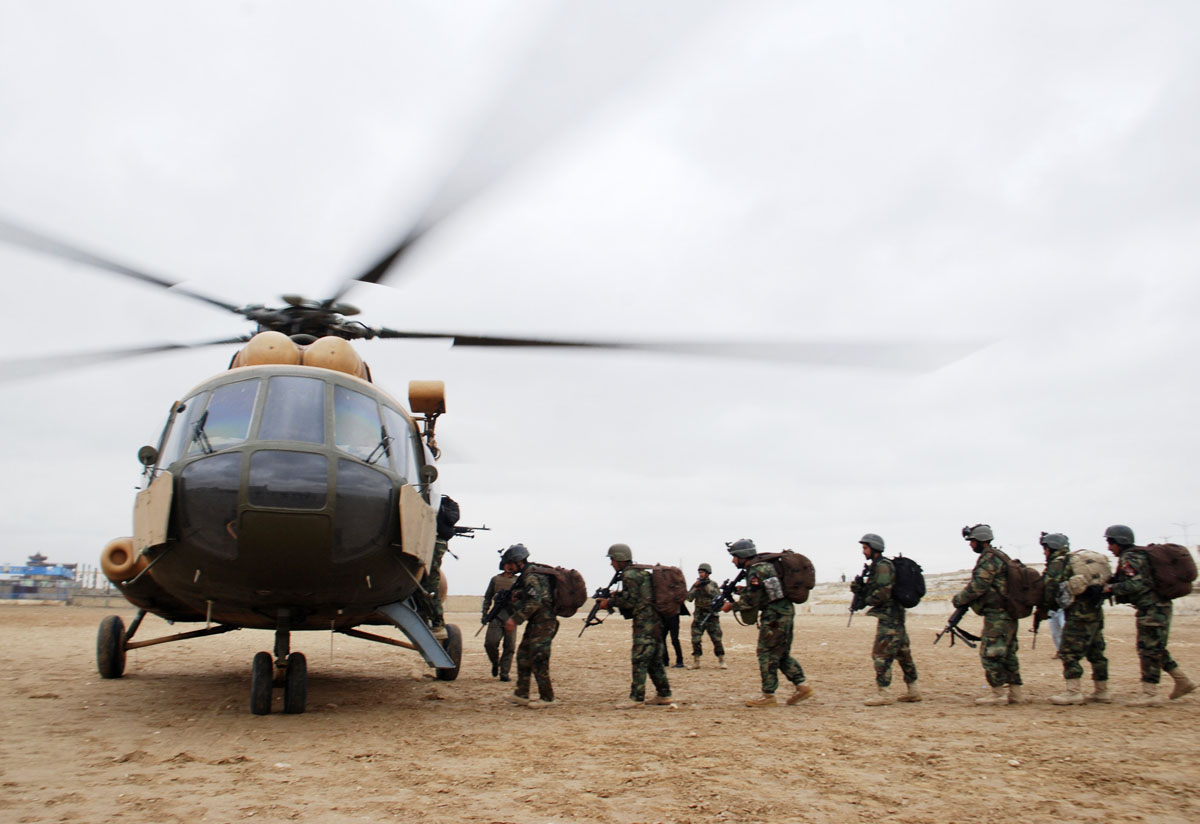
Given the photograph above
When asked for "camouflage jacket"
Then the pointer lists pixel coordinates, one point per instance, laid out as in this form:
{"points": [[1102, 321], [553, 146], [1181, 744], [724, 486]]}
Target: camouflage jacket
{"points": [[879, 589], [637, 596], [756, 595], [533, 597], [499, 583], [703, 592], [989, 581], [1058, 571], [1133, 582]]}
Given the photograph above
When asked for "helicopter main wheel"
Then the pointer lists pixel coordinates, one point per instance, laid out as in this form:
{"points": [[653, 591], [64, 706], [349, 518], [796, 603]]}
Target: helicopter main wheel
{"points": [[453, 647], [295, 684], [110, 647], [262, 674]]}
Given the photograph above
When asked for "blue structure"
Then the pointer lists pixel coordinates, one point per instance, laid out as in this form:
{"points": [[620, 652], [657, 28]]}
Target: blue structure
{"points": [[36, 580]]}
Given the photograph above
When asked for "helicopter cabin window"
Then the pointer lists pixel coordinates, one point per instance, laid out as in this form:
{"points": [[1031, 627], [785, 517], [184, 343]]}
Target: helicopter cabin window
{"points": [[208, 496], [225, 420], [400, 444], [288, 480], [356, 428], [294, 411]]}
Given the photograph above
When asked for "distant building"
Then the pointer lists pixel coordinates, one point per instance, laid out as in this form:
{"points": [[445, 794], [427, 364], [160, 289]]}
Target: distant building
{"points": [[36, 580]]}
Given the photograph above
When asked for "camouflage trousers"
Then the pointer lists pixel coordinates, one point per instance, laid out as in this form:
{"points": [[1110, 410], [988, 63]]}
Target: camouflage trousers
{"points": [[1153, 627], [998, 649], [712, 629], [533, 658], [491, 645], [649, 649], [428, 601], [1083, 638], [891, 644], [775, 649]]}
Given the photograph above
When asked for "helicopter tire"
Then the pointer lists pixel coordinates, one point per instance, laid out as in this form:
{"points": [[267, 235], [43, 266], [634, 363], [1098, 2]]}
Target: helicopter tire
{"points": [[110, 647], [295, 684], [262, 674], [453, 647]]}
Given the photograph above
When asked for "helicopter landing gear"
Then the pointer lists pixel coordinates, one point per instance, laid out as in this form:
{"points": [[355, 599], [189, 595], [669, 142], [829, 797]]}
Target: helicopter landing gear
{"points": [[110, 647], [287, 669], [262, 678], [453, 647]]}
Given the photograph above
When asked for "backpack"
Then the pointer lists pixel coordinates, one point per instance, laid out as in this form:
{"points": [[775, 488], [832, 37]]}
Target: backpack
{"points": [[570, 591], [908, 588], [1088, 569], [1023, 589], [1174, 569], [795, 572], [669, 586]]}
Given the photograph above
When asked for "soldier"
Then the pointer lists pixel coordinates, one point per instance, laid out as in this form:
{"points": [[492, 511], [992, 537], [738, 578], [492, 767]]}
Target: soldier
{"points": [[891, 637], [532, 601], [702, 594], [636, 596], [1133, 584], [763, 599], [1083, 627], [431, 601], [985, 595], [501, 661]]}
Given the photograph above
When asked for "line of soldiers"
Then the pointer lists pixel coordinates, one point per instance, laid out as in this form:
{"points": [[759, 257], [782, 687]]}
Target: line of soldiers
{"points": [[761, 601]]}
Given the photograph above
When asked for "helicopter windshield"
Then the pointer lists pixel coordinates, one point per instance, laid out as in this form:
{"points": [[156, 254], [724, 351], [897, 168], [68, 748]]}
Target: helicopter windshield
{"points": [[212, 421], [295, 410], [356, 428]]}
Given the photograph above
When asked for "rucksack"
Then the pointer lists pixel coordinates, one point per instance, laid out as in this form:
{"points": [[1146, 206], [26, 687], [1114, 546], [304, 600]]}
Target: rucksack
{"points": [[1174, 569], [908, 588], [570, 591], [669, 586], [796, 573], [1088, 569], [1023, 587]]}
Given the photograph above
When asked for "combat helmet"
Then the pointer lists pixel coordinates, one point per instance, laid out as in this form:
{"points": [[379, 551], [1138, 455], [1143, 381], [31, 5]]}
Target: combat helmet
{"points": [[515, 554], [620, 552], [1119, 534], [979, 532], [1055, 540], [873, 541], [705, 568], [742, 548]]}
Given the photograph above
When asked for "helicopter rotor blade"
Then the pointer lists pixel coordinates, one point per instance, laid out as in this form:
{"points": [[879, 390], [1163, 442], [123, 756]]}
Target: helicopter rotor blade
{"points": [[566, 74], [37, 242], [38, 365], [906, 355]]}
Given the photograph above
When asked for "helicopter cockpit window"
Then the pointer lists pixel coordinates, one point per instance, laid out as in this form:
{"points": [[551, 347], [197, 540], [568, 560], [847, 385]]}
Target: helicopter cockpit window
{"points": [[288, 480], [294, 411], [356, 428], [400, 443], [226, 419], [182, 429]]}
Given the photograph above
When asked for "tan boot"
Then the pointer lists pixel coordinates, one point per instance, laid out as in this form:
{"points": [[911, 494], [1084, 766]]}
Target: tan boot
{"points": [[913, 695], [630, 704], [695, 662], [1100, 693], [766, 700], [997, 695], [881, 698], [1183, 684], [1150, 697], [522, 700], [802, 691], [660, 700], [1071, 695], [1016, 694], [721, 662], [541, 703]]}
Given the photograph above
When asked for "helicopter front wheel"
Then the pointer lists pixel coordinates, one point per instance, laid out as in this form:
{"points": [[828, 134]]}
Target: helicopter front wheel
{"points": [[295, 684], [110, 647], [262, 675]]}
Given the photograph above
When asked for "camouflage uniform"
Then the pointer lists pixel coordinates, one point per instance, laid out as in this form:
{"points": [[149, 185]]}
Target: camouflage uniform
{"points": [[1133, 584], [1083, 632], [891, 637], [775, 619], [636, 596], [533, 601], [501, 661], [985, 595], [702, 595], [432, 582]]}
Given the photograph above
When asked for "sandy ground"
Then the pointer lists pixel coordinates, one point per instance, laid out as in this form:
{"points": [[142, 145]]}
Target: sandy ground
{"points": [[174, 739]]}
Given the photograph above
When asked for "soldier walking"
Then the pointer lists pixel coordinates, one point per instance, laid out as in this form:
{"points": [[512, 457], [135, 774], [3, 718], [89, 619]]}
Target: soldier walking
{"points": [[984, 593], [1083, 628], [702, 593], [891, 636], [501, 661], [636, 598], [532, 603], [763, 600], [1133, 584]]}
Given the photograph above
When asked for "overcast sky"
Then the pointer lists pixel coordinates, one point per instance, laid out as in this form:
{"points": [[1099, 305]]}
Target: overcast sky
{"points": [[1019, 173]]}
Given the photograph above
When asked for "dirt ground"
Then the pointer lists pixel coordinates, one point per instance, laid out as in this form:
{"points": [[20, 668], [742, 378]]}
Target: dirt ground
{"points": [[174, 741]]}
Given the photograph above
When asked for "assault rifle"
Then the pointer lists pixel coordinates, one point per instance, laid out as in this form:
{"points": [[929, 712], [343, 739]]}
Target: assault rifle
{"points": [[1038, 617], [858, 586], [466, 532], [500, 602], [728, 588], [593, 618], [955, 632]]}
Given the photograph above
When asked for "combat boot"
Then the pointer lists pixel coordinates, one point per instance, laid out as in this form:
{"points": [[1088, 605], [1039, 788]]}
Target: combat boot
{"points": [[1099, 693], [660, 700], [881, 698], [678, 663], [630, 704], [1071, 695], [802, 691], [1150, 697], [998, 695], [913, 695], [766, 700], [695, 662], [1016, 694], [522, 700], [440, 632], [1183, 684], [540, 703], [721, 662]]}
